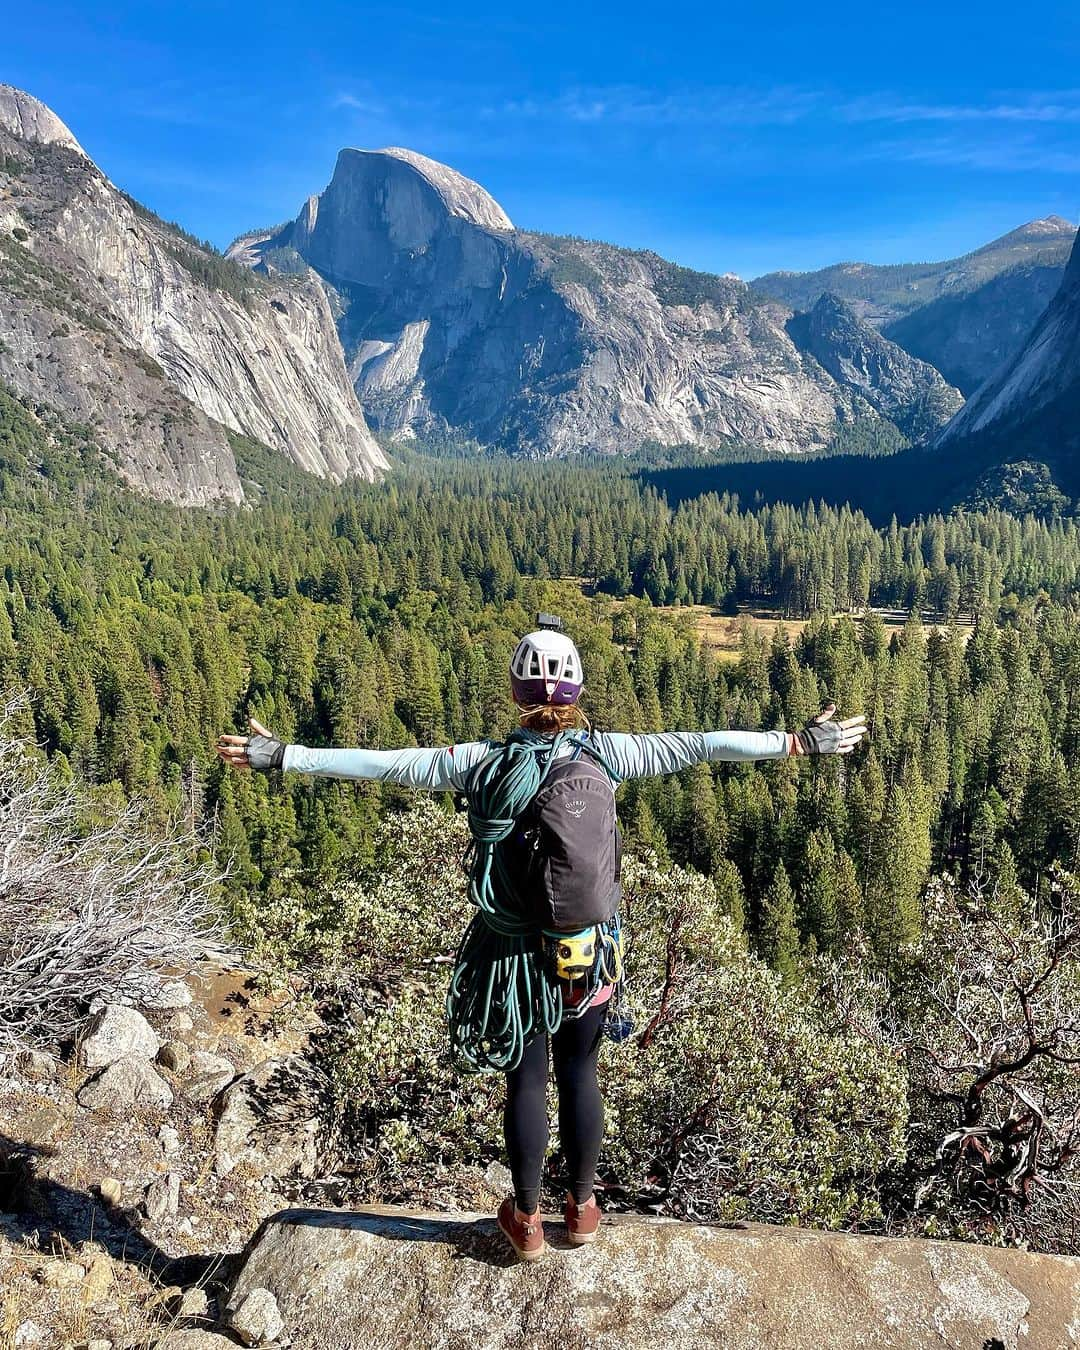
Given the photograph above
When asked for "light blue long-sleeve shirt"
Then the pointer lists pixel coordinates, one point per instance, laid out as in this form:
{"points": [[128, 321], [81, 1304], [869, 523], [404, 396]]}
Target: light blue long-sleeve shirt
{"points": [[629, 756]]}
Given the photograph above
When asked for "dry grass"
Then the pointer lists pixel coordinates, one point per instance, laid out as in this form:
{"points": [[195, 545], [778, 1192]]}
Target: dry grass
{"points": [[721, 633]]}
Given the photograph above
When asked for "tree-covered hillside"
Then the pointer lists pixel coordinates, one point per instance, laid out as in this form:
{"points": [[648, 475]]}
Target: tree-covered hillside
{"points": [[385, 615]]}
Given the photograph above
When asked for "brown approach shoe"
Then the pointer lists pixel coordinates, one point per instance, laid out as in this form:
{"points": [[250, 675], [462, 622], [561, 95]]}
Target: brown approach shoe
{"points": [[582, 1221], [524, 1232]]}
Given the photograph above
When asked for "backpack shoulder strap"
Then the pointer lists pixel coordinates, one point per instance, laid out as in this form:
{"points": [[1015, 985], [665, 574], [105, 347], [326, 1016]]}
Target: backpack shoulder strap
{"points": [[591, 748]]}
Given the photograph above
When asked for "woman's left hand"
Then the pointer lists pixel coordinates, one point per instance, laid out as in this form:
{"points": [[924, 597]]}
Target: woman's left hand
{"points": [[261, 751]]}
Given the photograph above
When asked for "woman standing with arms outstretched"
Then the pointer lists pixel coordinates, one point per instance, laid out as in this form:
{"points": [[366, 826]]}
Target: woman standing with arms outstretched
{"points": [[543, 955]]}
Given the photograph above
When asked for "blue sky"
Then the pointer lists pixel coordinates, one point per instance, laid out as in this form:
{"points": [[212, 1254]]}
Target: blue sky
{"points": [[739, 138]]}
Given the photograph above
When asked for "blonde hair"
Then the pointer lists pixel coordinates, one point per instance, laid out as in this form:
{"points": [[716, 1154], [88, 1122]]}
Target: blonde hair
{"points": [[552, 717]]}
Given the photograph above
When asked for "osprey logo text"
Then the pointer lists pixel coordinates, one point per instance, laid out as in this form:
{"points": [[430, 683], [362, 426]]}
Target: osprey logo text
{"points": [[576, 806]]}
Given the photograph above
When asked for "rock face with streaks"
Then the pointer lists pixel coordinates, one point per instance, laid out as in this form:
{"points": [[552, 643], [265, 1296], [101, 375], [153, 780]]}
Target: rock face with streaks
{"points": [[115, 320], [454, 323], [1030, 410], [397, 1278], [897, 386]]}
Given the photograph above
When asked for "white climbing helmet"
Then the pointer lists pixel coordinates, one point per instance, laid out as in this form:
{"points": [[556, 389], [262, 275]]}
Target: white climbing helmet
{"points": [[546, 667]]}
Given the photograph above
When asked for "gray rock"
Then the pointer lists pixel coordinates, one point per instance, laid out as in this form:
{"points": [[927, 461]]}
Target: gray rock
{"points": [[167, 996], [206, 1086], [195, 1339], [966, 315], [270, 1119], [906, 391], [175, 1056], [193, 1303], [255, 1319], [108, 321], [180, 1024], [129, 1082], [116, 1032], [162, 1197], [202, 1061], [497, 1175], [169, 1139], [29, 1333], [1025, 410], [36, 1065], [400, 1278]]}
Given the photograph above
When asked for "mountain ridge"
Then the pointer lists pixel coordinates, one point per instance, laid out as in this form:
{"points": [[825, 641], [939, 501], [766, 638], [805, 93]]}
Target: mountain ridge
{"points": [[543, 344], [963, 315], [118, 321]]}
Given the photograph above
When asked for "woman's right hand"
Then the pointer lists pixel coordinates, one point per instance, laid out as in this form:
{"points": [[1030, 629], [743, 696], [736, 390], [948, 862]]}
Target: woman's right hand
{"points": [[261, 751]]}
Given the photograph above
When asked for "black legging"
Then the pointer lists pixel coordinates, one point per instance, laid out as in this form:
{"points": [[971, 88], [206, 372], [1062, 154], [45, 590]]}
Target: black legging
{"points": [[574, 1049]]}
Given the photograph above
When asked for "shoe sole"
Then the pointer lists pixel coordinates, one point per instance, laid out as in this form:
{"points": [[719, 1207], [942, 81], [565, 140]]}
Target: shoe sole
{"points": [[524, 1255], [580, 1239]]}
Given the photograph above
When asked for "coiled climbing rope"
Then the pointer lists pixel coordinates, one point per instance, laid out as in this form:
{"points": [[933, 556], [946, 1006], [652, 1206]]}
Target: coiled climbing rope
{"points": [[500, 994]]}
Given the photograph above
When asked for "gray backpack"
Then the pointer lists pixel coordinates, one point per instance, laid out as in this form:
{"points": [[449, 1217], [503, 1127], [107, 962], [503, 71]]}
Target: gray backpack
{"points": [[566, 852]]}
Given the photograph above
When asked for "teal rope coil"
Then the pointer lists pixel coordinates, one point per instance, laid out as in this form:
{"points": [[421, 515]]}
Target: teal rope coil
{"points": [[500, 995]]}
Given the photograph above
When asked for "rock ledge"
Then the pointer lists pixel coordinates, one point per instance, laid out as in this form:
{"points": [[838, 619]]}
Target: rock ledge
{"points": [[395, 1277]]}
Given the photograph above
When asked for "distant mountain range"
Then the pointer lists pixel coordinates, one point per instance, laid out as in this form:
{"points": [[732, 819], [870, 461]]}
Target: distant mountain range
{"points": [[966, 316], [402, 296], [457, 325], [1016, 443]]}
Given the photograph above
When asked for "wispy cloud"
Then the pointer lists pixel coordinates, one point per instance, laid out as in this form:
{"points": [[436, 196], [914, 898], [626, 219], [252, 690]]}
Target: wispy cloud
{"points": [[1048, 108], [367, 106], [632, 105], [1015, 155], [742, 106]]}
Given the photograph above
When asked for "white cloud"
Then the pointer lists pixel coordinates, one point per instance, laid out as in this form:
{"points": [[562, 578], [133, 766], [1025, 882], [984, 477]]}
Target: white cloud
{"points": [[1058, 107]]}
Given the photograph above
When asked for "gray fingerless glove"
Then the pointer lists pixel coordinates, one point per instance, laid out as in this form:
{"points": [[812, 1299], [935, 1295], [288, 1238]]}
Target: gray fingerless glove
{"points": [[265, 752], [819, 738]]}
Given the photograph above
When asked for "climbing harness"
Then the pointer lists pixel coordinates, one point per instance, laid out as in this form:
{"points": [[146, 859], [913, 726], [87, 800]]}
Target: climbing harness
{"points": [[506, 986]]}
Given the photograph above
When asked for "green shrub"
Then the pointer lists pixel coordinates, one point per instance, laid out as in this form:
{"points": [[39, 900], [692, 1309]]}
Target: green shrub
{"points": [[734, 1098]]}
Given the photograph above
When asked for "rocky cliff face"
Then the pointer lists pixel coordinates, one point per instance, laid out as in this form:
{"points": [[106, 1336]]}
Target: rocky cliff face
{"points": [[455, 323], [117, 321], [908, 392], [1029, 409], [965, 316]]}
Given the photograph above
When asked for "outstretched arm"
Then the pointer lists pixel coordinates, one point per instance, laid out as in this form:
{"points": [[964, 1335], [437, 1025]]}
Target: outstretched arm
{"points": [[669, 751], [436, 770]]}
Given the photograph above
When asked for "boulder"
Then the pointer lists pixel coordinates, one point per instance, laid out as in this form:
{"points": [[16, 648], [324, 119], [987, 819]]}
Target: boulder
{"points": [[162, 1197], [400, 1278], [174, 1056], [270, 1119], [195, 1340], [167, 996], [117, 1032], [208, 1074], [129, 1082], [204, 1087], [256, 1319], [193, 1303]]}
